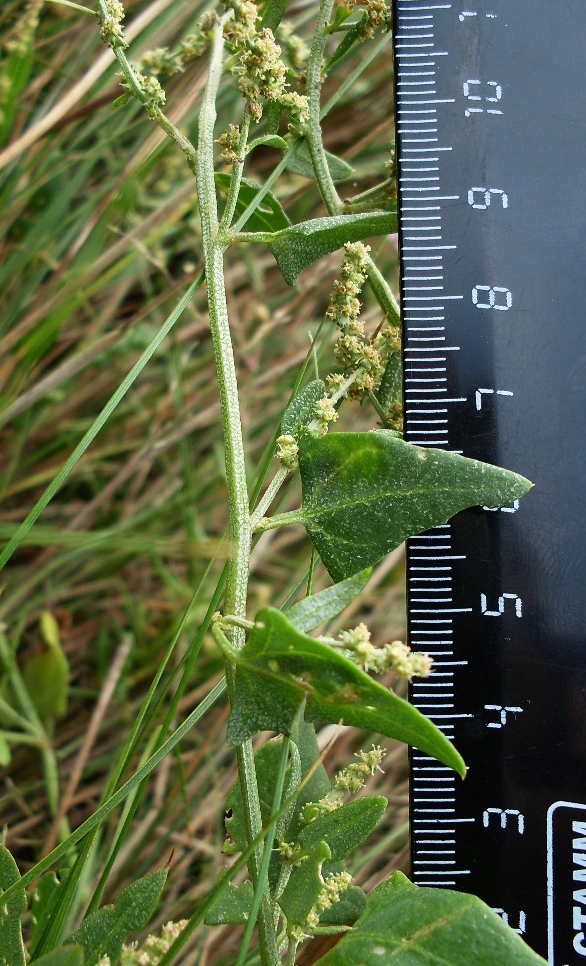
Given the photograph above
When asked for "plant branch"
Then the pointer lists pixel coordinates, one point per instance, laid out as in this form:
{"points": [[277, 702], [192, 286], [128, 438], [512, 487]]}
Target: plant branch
{"points": [[280, 520], [323, 177], [269, 495], [153, 110]]}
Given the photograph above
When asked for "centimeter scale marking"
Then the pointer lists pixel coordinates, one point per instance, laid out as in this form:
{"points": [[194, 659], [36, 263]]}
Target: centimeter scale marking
{"points": [[490, 134], [426, 409]]}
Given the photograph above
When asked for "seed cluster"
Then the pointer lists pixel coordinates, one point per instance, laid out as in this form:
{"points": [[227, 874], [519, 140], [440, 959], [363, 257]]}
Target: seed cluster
{"points": [[229, 143], [288, 452]]}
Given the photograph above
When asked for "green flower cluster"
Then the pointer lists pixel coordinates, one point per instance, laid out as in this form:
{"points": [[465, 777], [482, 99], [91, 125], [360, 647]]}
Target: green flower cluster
{"points": [[324, 413], [229, 143], [150, 87], [152, 950], [356, 352], [288, 452], [396, 656], [111, 29], [262, 75], [348, 781], [334, 885], [379, 13]]}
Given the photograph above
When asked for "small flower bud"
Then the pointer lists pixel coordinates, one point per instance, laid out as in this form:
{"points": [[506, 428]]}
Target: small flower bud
{"points": [[288, 452]]}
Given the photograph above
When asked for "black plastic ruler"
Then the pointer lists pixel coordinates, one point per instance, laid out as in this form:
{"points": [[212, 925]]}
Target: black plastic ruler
{"points": [[491, 121]]}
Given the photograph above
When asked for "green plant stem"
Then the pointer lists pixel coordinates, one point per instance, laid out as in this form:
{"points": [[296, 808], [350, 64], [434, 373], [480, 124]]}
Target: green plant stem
{"points": [[239, 530], [326, 186], [15, 718], [280, 520], [18, 738], [377, 407], [267, 852], [76, 6], [199, 916], [313, 128], [291, 950]]}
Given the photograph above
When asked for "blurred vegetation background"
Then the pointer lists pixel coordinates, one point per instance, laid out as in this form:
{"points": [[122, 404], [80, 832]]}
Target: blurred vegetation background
{"points": [[99, 238]]}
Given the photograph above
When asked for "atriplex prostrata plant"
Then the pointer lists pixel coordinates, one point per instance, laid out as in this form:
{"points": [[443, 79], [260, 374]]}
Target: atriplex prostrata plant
{"points": [[363, 494]]}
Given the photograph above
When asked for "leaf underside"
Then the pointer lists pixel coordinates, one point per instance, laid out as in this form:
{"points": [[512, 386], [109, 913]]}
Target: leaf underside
{"points": [[278, 668], [300, 410], [365, 493], [310, 612], [406, 925], [297, 247]]}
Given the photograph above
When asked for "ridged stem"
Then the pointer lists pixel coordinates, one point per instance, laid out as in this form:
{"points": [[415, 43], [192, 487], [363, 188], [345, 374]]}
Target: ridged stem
{"points": [[239, 521]]}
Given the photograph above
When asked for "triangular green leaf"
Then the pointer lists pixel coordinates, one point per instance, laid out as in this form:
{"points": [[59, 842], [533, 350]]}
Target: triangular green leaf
{"points": [[305, 885], [346, 827], [64, 956], [12, 951], [103, 933], [299, 246], [269, 216], [300, 412], [232, 907], [365, 493], [278, 668], [410, 926], [309, 613]]}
